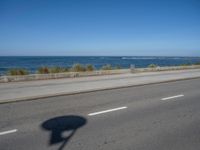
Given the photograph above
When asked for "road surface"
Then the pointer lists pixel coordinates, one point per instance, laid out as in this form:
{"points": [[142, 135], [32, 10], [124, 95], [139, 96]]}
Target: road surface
{"points": [[17, 91], [162, 116]]}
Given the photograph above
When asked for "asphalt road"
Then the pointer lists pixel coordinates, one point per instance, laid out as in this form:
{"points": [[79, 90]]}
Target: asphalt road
{"points": [[153, 117], [17, 91]]}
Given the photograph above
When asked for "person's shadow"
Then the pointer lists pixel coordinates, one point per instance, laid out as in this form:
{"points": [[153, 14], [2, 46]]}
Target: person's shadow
{"points": [[58, 125]]}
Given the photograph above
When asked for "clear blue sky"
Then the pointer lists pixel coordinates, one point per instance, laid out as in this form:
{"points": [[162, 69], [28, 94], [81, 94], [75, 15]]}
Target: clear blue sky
{"points": [[100, 27]]}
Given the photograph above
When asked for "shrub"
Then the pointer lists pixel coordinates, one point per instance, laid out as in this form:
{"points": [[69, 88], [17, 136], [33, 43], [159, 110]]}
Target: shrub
{"points": [[186, 64], [152, 66], [58, 69], [197, 63], [78, 68], [118, 67], [17, 71], [66, 69], [43, 70], [90, 67], [106, 67]]}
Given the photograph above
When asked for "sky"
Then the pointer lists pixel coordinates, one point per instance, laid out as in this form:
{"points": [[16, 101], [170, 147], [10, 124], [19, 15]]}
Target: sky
{"points": [[99, 27]]}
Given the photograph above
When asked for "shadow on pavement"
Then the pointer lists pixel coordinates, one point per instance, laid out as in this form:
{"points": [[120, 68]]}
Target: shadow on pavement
{"points": [[58, 125]]}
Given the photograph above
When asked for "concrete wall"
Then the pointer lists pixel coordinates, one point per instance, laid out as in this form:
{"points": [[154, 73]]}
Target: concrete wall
{"points": [[61, 75], [166, 68], [92, 73]]}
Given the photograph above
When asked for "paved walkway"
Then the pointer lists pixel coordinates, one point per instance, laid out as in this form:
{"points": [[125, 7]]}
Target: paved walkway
{"points": [[16, 91]]}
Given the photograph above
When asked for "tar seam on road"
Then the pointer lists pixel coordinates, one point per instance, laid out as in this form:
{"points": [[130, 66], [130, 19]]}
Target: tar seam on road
{"points": [[106, 111], [167, 98], [8, 132]]}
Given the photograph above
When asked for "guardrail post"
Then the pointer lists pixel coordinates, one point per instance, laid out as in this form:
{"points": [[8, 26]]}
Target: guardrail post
{"points": [[132, 68], [5, 79]]}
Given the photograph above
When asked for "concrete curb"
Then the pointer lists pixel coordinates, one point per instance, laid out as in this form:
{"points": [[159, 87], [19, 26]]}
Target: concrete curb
{"points": [[87, 91]]}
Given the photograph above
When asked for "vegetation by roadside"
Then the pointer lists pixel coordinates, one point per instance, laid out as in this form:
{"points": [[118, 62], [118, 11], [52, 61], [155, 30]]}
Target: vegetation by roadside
{"points": [[78, 68], [106, 67], [46, 70], [90, 67], [75, 68], [152, 66], [17, 71]]}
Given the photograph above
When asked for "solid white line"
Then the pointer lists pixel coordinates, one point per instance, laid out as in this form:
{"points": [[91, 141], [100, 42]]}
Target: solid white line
{"points": [[172, 97], [7, 132], [106, 111]]}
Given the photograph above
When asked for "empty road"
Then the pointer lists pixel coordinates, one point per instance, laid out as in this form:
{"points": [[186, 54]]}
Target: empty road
{"points": [[162, 116]]}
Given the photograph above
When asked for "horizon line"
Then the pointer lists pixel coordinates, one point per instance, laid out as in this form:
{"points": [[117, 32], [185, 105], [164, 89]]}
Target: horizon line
{"points": [[95, 56]]}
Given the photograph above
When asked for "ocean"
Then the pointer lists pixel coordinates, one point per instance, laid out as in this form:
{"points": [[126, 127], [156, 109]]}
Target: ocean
{"points": [[33, 62]]}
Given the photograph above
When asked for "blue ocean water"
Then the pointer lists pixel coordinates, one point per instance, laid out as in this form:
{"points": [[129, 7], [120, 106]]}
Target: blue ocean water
{"points": [[33, 62]]}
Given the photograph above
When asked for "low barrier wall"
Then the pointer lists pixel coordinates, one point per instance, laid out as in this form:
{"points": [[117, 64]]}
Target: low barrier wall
{"points": [[91, 73], [166, 68], [61, 75]]}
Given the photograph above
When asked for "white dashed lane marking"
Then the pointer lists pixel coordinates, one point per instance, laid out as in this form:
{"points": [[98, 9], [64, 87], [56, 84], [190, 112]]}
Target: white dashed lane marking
{"points": [[172, 97], [8, 132], [106, 111]]}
